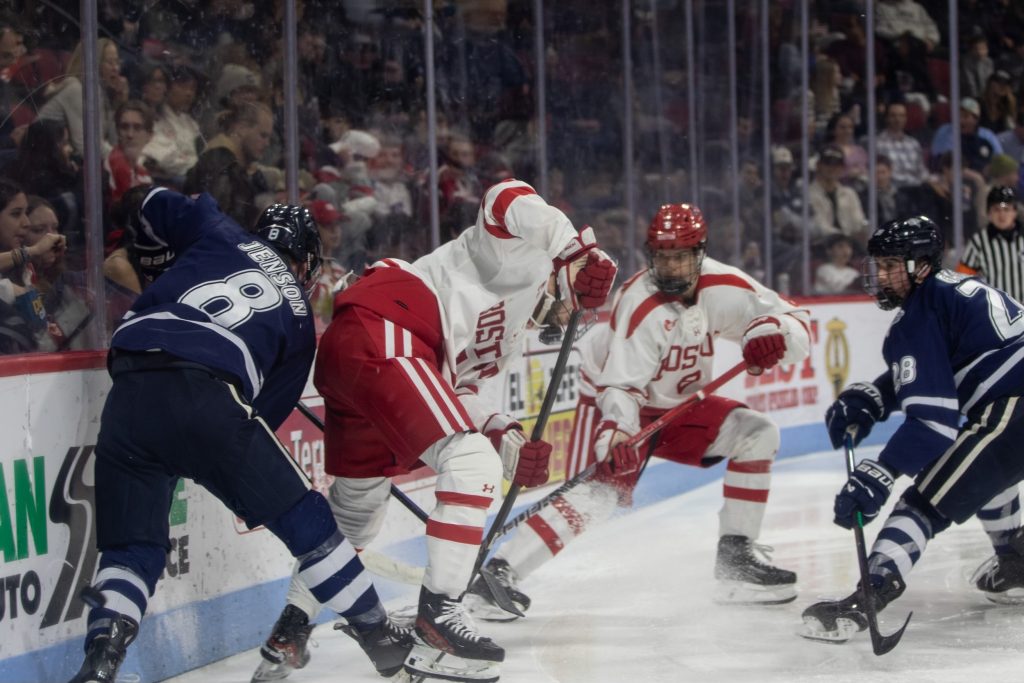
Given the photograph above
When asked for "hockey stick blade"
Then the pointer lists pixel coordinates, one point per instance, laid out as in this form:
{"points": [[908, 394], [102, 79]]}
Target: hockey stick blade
{"points": [[500, 595], [880, 644]]}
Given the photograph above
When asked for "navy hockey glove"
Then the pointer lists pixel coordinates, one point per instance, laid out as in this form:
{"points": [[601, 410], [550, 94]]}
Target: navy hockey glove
{"points": [[858, 404], [865, 491]]}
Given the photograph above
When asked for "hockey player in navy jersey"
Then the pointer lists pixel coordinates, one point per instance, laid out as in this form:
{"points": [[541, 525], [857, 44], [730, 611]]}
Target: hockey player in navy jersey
{"points": [[206, 365], [954, 348]]}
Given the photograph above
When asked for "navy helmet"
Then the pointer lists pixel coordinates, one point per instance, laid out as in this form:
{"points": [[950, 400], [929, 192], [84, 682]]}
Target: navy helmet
{"points": [[292, 232], [918, 241]]}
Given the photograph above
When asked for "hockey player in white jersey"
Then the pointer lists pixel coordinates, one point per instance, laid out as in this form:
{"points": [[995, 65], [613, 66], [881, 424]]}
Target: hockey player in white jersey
{"points": [[658, 350], [401, 367]]}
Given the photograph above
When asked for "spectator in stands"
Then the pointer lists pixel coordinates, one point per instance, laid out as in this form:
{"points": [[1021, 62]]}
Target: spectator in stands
{"points": [[892, 200], [1013, 143], [978, 144], [124, 165], [12, 48], [835, 208], [934, 198], [903, 150], [44, 167], [827, 104], [839, 132], [976, 67], [65, 104], [174, 148], [67, 310], [229, 167], [897, 18], [328, 222], [998, 103], [458, 187], [389, 180], [22, 316], [155, 83], [836, 275], [1003, 170]]}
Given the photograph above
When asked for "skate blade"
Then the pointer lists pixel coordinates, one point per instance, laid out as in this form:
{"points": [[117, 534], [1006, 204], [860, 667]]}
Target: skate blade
{"points": [[481, 608], [425, 662], [269, 671], [1014, 596], [812, 629], [742, 593]]}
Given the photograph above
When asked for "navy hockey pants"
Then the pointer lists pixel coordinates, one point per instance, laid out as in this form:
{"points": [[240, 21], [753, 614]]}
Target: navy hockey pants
{"points": [[163, 423], [984, 460]]}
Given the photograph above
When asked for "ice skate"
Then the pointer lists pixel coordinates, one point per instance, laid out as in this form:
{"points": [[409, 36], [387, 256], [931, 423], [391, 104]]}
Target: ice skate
{"points": [[106, 652], [746, 580], [1001, 579], [286, 648], [448, 646], [479, 599], [387, 645], [836, 621]]}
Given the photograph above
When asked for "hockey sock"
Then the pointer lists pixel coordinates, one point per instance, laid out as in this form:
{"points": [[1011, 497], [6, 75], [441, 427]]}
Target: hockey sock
{"points": [[1000, 517], [127, 577], [327, 561], [905, 535], [369, 619]]}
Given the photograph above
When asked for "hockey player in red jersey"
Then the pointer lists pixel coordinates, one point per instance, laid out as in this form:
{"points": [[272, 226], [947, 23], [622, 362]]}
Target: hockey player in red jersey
{"points": [[658, 351], [400, 369]]}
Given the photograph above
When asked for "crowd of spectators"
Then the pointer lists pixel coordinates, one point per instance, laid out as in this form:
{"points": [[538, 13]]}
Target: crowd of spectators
{"points": [[192, 96]]}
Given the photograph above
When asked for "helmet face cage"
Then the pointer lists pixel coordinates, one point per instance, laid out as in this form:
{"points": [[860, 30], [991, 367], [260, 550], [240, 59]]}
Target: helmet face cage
{"points": [[292, 231], [553, 330], [676, 226], [917, 241]]}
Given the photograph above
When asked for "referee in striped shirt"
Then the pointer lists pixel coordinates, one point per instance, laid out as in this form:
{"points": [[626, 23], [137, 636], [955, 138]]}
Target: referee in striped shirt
{"points": [[997, 252]]}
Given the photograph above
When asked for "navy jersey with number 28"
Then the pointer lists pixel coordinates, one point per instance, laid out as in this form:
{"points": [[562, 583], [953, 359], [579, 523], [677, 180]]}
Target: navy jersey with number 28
{"points": [[228, 301], [955, 346]]}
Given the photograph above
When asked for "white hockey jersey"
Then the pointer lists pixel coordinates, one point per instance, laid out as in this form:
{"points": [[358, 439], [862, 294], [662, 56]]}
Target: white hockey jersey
{"points": [[488, 282], [655, 351]]}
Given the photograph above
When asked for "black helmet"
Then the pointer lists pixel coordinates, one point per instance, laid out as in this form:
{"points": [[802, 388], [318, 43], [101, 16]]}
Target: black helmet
{"points": [[918, 241], [292, 232], [1001, 194]]}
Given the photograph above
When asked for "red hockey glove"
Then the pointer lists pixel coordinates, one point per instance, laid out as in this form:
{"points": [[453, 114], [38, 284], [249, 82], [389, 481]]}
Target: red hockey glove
{"points": [[523, 462], [615, 458], [532, 469], [763, 344], [594, 281]]}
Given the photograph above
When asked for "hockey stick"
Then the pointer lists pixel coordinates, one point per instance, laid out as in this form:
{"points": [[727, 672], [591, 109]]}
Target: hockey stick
{"points": [[405, 500], [879, 643], [636, 440], [501, 596]]}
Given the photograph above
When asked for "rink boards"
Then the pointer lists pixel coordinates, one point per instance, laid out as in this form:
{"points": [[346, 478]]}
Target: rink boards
{"points": [[224, 584]]}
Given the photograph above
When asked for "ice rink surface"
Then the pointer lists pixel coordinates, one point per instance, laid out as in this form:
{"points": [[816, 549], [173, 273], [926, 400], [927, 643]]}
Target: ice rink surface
{"points": [[631, 601]]}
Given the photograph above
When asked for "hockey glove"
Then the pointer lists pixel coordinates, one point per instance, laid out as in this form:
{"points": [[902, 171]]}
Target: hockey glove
{"points": [[859, 404], [594, 281], [523, 462], [615, 458], [763, 344], [865, 492]]}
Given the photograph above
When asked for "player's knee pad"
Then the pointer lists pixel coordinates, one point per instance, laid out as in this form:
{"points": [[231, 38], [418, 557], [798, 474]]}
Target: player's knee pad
{"points": [[914, 499], [359, 507], [306, 525], [747, 435], [145, 560], [468, 464]]}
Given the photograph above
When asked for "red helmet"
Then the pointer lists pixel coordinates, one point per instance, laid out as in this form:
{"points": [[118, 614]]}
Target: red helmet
{"points": [[677, 226]]}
